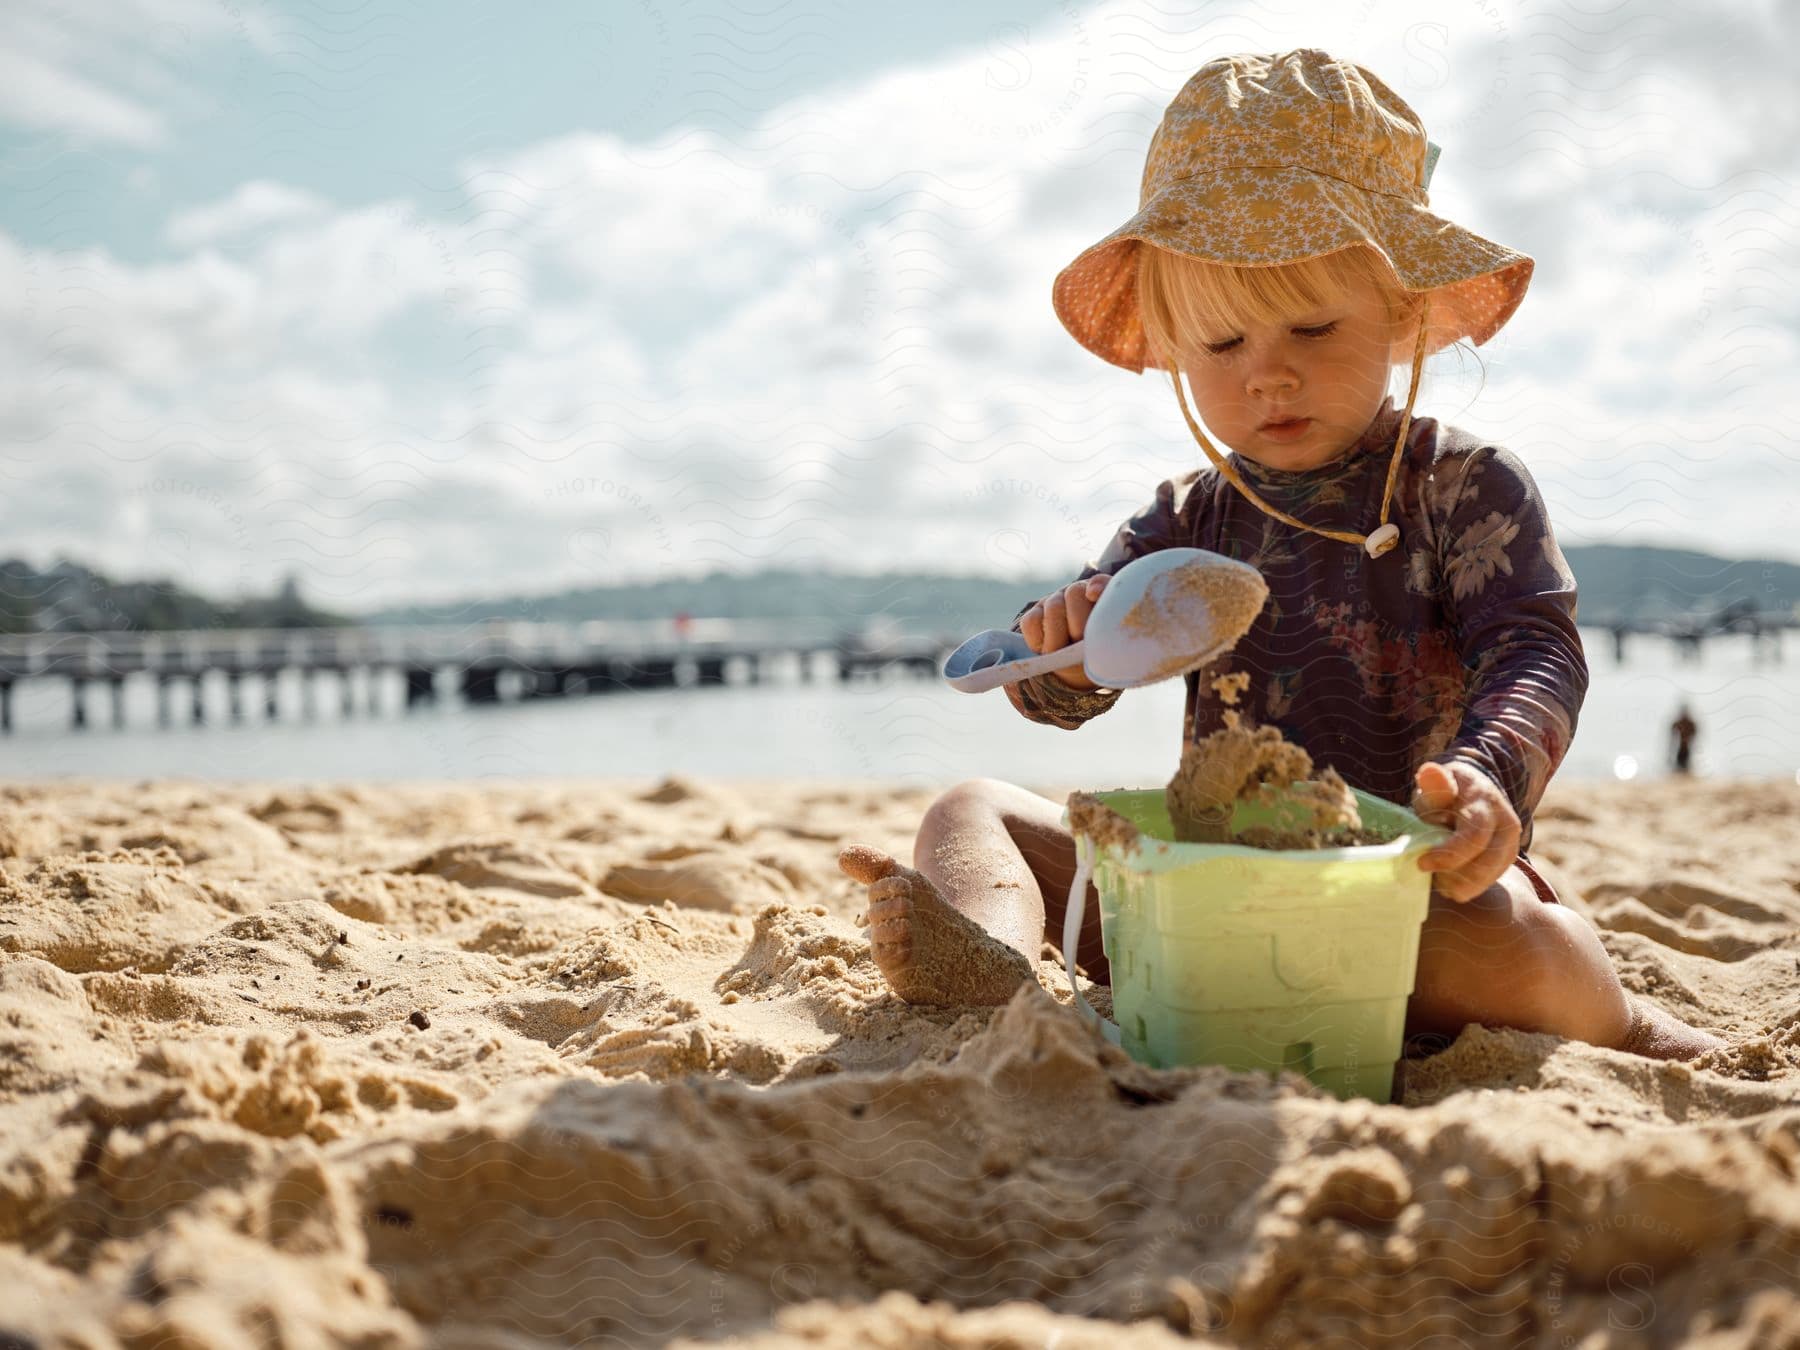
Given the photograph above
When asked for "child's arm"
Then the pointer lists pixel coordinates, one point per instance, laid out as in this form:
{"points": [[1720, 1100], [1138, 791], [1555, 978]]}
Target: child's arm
{"points": [[1165, 523], [1512, 599]]}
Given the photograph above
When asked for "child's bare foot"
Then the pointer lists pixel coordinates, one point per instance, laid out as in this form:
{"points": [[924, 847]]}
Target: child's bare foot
{"points": [[1656, 1034], [930, 952]]}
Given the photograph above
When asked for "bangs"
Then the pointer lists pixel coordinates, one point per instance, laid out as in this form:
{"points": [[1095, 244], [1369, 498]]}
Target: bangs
{"points": [[1186, 302]]}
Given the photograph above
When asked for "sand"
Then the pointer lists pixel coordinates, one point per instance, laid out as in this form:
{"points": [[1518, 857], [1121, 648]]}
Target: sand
{"points": [[1219, 601], [521, 1065], [1245, 762]]}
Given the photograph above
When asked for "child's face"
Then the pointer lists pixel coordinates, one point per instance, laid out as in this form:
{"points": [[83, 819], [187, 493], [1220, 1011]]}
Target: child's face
{"points": [[1329, 366]]}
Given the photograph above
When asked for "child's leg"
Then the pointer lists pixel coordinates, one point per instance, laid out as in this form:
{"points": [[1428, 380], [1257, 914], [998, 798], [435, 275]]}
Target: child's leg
{"points": [[1506, 958], [1002, 856], [993, 864]]}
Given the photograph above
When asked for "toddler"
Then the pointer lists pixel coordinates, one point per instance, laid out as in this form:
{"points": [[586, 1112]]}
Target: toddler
{"points": [[1419, 635]]}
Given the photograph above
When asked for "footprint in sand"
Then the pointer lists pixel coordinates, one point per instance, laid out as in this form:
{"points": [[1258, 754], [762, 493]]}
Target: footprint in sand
{"points": [[930, 952]]}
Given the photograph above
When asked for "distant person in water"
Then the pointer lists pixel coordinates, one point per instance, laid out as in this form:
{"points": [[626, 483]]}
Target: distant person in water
{"points": [[1682, 732]]}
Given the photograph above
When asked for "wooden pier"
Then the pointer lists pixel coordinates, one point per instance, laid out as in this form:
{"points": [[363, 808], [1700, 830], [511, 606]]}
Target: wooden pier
{"points": [[533, 660], [1743, 618]]}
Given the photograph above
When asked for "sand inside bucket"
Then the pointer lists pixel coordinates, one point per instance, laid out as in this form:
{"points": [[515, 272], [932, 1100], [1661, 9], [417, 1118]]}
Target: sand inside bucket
{"points": [[1242, 761]]}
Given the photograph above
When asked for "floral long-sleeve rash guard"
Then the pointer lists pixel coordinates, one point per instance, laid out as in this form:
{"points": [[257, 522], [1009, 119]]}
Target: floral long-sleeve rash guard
{"points": [[1460, 644]]}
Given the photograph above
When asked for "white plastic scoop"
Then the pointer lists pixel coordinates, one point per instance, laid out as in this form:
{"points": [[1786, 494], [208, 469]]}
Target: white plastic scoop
{"points": [[1160, 616]]}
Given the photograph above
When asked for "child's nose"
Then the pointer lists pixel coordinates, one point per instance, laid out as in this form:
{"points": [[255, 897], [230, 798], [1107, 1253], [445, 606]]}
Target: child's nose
{"points": [[1272, 372], [1274, 389]]}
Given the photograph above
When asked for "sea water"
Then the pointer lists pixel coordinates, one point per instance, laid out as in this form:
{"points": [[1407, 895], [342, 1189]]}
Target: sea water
{"points": [[904, 728]]}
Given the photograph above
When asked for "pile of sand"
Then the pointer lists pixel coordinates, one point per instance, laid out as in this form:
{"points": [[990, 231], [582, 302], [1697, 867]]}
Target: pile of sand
{"points": [[1243, 762], [556, 1064]]}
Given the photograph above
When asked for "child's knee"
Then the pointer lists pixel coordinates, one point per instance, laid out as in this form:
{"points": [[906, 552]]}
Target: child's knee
{"points": [[970, 792], [988, 798], [955, 805], [1544, 964], [1490, 959], [1573, 988]]}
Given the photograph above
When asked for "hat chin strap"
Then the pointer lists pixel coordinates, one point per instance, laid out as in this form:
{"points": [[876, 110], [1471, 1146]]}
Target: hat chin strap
{"points": [[1378, 541]]}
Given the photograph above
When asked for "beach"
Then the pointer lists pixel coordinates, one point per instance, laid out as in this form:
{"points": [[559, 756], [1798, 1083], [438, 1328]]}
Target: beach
{"points": [[535, 1063]]}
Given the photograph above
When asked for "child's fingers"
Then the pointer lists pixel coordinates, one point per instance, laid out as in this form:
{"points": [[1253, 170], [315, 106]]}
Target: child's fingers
{"points": [[1465, 853], [1078, 603], [1433, 815], [1437, 790], [1458, 851], [1474, 830], [1076, 607], [1432, 772], [1430, 814], [1455, 886], [1056, 623], [1494, 860], [1470, 880], [1031, 627], [1060, 617]]}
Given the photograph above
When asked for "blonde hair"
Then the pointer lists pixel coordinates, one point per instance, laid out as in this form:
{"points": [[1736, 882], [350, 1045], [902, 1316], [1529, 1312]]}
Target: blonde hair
{"points": [[1182, 299]]}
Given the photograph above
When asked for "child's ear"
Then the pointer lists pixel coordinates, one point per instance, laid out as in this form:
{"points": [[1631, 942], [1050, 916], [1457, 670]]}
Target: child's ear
{"points": [[1405, 313]]}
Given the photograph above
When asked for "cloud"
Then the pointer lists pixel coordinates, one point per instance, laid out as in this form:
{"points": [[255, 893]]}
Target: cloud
{"points": [[826, 334], [119, 72], [254, 206], [37, 94]]}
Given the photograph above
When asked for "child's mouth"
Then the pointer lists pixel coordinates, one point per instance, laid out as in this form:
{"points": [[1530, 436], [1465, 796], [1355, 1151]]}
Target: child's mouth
{"points": [[1287, 431]]}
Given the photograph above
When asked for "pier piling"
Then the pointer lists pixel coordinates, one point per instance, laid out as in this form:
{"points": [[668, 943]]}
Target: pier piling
{"points": [[497, 662]]}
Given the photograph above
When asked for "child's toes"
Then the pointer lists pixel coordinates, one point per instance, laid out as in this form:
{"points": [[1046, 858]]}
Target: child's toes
{"points": [[862, 863], [891, 928], [891, 951], [890, 916], [895, 928], [888, 890]]}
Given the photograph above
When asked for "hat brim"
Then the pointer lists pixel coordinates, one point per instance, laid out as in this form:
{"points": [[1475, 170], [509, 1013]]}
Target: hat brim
{"points": [[1271, 217]]}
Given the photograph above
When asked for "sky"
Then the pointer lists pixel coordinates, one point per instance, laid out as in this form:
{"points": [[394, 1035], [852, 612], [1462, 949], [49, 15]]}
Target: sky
{"points": [[421, 302]]}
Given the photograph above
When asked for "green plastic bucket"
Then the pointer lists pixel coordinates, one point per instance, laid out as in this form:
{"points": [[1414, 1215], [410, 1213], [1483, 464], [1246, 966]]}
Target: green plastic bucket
{"points": [[1253, 958]]}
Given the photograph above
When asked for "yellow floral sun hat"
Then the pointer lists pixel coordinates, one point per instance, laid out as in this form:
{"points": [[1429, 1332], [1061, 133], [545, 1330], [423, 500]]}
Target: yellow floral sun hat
{"points": [[1264, 160]]}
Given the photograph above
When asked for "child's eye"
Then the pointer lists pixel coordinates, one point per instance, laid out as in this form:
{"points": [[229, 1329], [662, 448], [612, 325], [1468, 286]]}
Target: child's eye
{"points": [[1322, 330]]}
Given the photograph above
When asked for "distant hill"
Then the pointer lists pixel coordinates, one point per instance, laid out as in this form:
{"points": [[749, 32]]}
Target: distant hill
{"points": [[70, 598], [1631, 582], [914, 600], [1615, 581]]}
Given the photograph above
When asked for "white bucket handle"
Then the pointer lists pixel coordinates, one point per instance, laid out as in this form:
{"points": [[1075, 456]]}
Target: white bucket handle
{"points": [[1084, 866]]}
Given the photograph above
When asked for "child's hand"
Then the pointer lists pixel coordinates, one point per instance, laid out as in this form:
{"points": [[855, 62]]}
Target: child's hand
{"points": [[1061, 618], [1487, 828]]}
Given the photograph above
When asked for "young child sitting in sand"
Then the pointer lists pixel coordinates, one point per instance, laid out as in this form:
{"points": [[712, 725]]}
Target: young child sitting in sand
{"points": [[1419, 634]]}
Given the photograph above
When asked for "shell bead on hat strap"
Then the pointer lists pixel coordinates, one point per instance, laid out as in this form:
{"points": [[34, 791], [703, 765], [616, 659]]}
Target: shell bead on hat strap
{"points": [[1382, 540]]}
